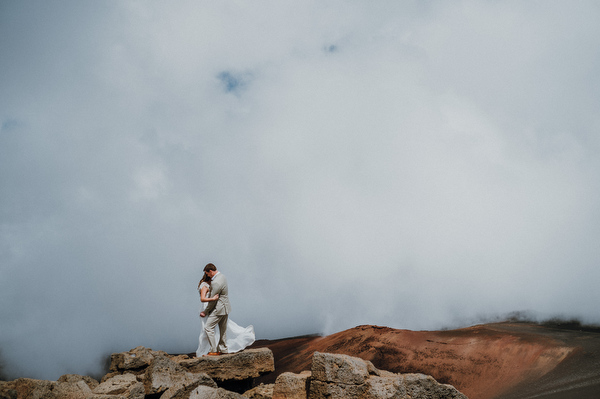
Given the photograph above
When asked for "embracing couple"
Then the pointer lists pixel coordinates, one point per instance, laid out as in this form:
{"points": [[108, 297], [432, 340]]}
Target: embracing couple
{"points": [[215, 318]]}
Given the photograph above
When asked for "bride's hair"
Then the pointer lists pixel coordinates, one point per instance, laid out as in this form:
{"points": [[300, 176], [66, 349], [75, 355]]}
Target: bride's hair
{"points": [[205, 279]]}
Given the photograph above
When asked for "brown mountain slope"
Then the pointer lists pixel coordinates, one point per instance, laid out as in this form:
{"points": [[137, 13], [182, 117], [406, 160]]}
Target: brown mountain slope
{"points": [[484, 361]]}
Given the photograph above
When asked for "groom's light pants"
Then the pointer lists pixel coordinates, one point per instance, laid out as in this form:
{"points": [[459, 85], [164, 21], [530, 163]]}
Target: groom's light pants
{"points": [[212, 321]]}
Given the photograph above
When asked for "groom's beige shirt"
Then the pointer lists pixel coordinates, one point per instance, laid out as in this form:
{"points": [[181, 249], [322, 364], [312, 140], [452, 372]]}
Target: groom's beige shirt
{"points": [[219, 286]]}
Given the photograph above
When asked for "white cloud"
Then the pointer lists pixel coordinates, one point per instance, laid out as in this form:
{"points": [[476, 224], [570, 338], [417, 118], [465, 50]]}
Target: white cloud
{"points": [[411, 165]]}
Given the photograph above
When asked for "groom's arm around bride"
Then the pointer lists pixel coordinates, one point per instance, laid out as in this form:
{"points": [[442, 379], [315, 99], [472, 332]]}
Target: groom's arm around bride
{"points": [[219, 287]]}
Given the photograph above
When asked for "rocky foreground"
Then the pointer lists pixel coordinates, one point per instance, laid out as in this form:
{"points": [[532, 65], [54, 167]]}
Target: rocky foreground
{"points": [[142, 373]]}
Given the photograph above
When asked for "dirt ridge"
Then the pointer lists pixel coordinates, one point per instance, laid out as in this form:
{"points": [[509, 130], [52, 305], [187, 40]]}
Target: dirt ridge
{"points": [[489, 361]]}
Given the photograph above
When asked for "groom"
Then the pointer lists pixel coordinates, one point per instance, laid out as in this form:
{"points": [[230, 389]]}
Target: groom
{"points": [[217, 311]]}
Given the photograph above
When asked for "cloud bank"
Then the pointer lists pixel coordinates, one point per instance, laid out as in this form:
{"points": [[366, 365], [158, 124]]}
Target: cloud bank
{"points": [[417, 165]]}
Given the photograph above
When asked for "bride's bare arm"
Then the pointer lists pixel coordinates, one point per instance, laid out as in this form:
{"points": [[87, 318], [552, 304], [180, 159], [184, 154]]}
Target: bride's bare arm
{"points": [[204, 298]]}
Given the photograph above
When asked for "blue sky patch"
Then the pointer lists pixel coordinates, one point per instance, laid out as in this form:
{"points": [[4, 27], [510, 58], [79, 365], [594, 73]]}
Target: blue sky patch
{"points": [[232, 82], [9, 124]]}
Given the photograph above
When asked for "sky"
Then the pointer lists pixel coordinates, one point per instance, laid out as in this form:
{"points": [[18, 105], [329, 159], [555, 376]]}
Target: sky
{"points": [[415, 164]]}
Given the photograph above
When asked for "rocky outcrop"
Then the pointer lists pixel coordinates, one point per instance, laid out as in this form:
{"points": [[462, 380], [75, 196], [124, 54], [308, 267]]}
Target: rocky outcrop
{"points": [[126, 385], [89, 381], [250, 363], [164, 374], [28, 388], [137, 358], [342, 376], [292, 386], [146, 374], [134, 361]]}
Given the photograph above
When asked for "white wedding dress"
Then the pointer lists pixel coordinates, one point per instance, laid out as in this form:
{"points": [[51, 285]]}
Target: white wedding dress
{"points": [[238, 337]]}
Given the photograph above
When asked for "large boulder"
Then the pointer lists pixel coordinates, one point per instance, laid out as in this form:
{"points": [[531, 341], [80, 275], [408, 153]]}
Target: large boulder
{"points": [[165, 374], [183, 388], [385, 387], [292, 386], [425, 386], [29, 388], [339, 369], [72, 390], [7, 390], [90, 382], [134, 360], [341, 376], [250, 363], [126, 385], [338, 376]]}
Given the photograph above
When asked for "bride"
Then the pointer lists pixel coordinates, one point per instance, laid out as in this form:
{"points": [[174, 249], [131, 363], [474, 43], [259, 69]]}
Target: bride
{"points": [[238, 338]]}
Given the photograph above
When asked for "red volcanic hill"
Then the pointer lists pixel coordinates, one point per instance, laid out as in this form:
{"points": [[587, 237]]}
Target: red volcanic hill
{"points": [[499, 360]]}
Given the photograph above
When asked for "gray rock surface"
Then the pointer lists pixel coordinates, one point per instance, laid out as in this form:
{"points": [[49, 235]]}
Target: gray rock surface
{"points": [[134, 359], [29, 388], [262, 391], [204, 392], [339, 369], [90, 382], [340, 376], [183, 388], [292, 386], [164, 373], [250, 363], [126, 385]]}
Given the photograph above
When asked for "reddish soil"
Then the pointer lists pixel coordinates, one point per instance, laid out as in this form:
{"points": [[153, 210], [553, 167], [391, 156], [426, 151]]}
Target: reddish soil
{"points": [[500, 360]]}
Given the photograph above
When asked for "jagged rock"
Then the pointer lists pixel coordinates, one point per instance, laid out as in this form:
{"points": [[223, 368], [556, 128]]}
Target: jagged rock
{"points": [[7, 390], [183, 389], [250, 363], [263, 391], [292, 386], [72, 390], [126, 385], [320, 389], [164, 373], [90, 382], [204, 392], [339, 369], [113, 373], [29, 388], [134, 359], [179, 358], [342, 376], [386, 387], [425, 386]]}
